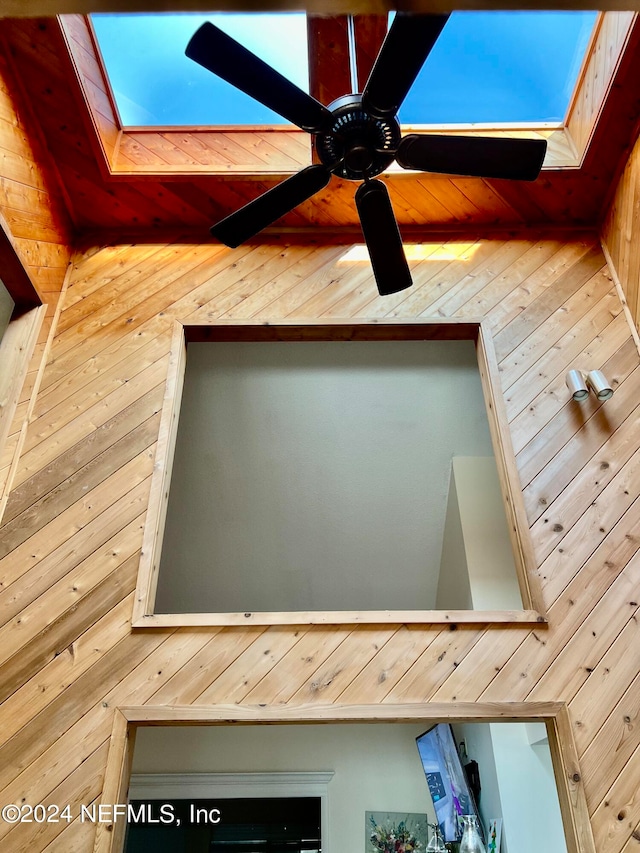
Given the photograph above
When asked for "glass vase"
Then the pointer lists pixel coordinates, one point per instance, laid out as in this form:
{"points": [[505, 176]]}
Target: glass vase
{"points": [[436, 842], [471, 839]]}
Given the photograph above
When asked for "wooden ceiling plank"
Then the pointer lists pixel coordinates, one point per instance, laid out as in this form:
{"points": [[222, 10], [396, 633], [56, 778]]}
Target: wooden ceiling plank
{"points": [[119, 261], [420, 204], [34, 740], [205, 666], [482, 194], [345, 284], [26, 590], [69, 430], [111, 382]]}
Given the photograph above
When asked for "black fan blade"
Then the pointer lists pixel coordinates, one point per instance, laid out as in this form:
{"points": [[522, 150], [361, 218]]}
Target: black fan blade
{"points": [[253, 217], [479, 156], [402, 55], [215, 50], [381, 234]]}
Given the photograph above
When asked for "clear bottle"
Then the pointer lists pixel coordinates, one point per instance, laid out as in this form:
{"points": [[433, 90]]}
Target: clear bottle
{"points": [[436, 842], [471, 839]]}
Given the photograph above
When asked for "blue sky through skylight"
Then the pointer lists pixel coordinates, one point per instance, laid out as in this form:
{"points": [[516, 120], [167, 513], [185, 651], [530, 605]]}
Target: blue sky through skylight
{"points": [[487, 67]]}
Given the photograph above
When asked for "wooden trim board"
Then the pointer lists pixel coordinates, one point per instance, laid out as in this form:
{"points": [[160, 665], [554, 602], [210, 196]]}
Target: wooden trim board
{"points": [[16, 348], [144, 616], [573, 805]]}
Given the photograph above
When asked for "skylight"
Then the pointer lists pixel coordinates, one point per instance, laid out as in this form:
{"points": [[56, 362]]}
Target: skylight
{"points": [[487, 67], [155, 84]]}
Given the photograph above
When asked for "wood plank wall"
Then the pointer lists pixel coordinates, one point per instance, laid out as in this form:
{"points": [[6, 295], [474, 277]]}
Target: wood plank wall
{"points": [[613, 29], [31, 202], [72, 531], [36, 245], [621, 232]]}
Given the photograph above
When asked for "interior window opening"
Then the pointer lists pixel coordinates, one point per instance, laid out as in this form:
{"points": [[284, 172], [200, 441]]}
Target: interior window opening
{"points": [[383, 785], [322, 476]]}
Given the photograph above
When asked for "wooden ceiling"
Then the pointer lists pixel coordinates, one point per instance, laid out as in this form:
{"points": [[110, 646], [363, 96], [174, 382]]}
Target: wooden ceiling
{"points": [[131, 182]]}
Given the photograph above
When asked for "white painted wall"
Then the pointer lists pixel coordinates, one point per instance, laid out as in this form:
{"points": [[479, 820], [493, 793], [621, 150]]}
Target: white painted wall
{"points": [[477, 568], [480, 748], [454, 590], [518, 784], [531, 811], [314, 476], [6, 308], [376, 766]]}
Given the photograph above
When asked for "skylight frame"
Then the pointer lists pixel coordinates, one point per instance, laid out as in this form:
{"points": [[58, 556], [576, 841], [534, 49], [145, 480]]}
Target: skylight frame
{"points": [[118, 148], [407, 127]]}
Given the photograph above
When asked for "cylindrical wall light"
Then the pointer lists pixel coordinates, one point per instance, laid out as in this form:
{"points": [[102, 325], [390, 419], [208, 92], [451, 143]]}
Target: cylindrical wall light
{"points": [[597, 381], [577, 385]]}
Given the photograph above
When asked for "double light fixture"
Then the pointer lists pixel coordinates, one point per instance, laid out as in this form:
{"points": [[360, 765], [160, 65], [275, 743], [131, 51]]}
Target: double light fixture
{"points": [[595, 381]]}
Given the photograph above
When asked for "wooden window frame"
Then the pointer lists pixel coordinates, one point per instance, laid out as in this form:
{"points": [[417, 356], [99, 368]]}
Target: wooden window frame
{"points": [[568, 140], [573, 805], [371, 330]]}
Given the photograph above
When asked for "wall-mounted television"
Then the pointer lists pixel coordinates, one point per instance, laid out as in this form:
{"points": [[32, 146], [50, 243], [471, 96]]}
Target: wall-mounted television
{"points": [[447, 780]]}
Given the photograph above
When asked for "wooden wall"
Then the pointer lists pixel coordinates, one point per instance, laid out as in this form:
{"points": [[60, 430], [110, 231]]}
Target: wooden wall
{"points": [[593, 85], [621, 232], [35, 249], [71, 535], [31, 203]]}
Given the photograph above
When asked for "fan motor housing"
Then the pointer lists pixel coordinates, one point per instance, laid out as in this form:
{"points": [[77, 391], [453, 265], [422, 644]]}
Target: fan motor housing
{"points": [[357, 145]]}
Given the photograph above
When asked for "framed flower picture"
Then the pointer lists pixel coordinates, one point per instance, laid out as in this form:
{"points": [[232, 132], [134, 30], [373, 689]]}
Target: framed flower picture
{"points": [[494, 833], [395, 832]]}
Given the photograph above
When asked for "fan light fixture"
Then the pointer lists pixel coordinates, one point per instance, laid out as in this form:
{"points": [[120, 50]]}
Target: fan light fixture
{"points": [[357, 137]]}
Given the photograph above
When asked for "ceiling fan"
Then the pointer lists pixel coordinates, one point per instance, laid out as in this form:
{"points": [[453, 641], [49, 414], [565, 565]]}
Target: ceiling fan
{"points": [[357, 137]]}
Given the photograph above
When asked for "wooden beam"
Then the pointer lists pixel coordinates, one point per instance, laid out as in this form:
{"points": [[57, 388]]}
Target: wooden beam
{"points": [[370, 31], [329, 76], [18, 8]]}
